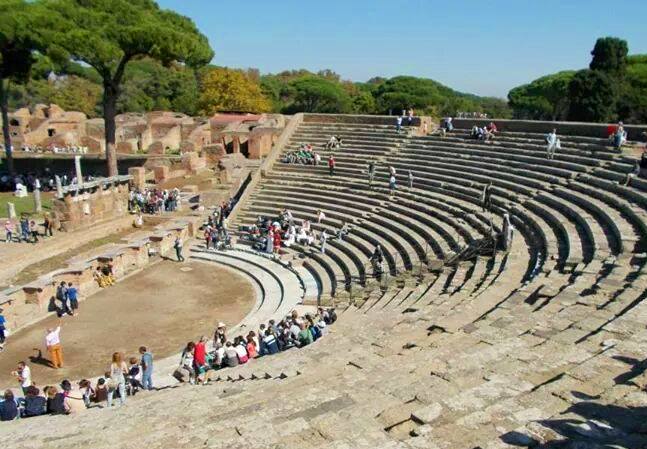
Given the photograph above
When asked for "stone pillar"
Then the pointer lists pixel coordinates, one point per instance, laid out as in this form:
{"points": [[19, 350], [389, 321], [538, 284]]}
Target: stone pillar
{"points": [[11, 211], [79, 173], [38, 206], [236, 143], [138, 177], [59, 186]]}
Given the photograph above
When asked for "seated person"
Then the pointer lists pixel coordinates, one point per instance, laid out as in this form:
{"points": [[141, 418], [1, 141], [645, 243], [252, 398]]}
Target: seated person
{"points": [[620, 137], [34, 404], [100, 391], [8, 407], [474, 133]]}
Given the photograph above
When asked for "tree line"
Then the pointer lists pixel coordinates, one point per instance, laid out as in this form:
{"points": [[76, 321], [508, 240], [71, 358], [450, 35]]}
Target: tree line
{"points": [[614, 87], [104, 57]]}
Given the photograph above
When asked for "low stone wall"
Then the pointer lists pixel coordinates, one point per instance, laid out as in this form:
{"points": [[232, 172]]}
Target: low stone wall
{"points": [[89, 206], [358, 119], [544, 127], [29, 303]]}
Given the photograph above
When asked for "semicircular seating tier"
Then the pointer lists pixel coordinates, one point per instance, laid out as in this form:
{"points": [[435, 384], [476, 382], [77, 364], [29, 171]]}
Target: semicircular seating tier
{"points": [[540, 346]]}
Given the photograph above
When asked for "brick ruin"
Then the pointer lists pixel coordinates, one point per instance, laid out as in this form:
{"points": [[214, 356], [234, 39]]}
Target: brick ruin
{"points": [[155, 133]]}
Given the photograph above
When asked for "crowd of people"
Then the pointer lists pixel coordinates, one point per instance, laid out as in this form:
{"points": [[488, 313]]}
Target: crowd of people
{"points": [[127, 376], [485, 133], [27, 230], [215, 231], [52, 148], [304, 155], [121, 380], [200, 360], [461, 114], [45, 181], [268, 234], [153, 201]]}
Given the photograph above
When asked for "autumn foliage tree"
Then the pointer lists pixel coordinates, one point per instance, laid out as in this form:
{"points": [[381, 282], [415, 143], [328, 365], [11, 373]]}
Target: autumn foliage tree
{"points": [[224, 89]]}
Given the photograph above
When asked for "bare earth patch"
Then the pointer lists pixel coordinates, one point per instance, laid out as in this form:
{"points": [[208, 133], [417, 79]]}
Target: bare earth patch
{"points": [[161, 307]]}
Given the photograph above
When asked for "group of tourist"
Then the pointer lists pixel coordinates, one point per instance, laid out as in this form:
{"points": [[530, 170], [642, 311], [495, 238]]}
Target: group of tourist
{"points": [[126, 376], [304, 155], [52, 148], [461, 114], [268, 234], [485, 133], [399, 121], [121, 380], [215, 231], [44, 181], [153, 201], [26, 230], [200, 360]]}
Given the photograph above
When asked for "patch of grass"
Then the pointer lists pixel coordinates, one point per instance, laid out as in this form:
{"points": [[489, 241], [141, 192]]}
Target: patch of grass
{"points": [[32, 272], [25, 205]]}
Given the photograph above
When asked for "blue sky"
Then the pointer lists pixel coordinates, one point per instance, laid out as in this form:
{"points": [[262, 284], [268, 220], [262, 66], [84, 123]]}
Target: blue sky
{"points": [[472, 46]]}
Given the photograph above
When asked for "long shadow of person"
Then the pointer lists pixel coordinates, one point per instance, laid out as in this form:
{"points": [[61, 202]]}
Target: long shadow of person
{"points": [[38, 359]]}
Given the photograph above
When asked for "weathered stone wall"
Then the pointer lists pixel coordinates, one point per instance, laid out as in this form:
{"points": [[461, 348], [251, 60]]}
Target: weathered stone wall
{"points": [[23, 305], [357, 119], [80, 210]]}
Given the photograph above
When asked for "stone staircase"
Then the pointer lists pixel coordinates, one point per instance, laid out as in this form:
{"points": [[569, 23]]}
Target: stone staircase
{"points": [[541, 346]]}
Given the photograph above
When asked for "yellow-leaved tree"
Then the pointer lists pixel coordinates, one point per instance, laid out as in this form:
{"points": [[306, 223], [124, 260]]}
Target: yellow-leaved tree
{"points": [[224, 89]]}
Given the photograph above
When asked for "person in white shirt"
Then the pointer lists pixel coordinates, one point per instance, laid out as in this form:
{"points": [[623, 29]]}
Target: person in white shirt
{"points": [[320, 216], [552, 144], [24, 376], [322, 240], [53, 343]]}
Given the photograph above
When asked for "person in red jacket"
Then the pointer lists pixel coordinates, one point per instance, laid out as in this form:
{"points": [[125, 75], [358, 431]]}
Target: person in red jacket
{"points": [[331, 165]]}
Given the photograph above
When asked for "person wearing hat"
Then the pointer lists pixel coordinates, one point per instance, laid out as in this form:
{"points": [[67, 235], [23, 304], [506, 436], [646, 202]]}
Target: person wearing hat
{"points": [[220, 336]]}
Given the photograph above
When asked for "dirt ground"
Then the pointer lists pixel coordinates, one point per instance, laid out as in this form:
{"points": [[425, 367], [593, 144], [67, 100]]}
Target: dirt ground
{"points": [[161, 307]]}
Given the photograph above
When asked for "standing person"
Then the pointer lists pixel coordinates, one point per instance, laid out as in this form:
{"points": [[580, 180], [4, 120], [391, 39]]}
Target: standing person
{"points": [[48, 227], [61, 295], [2, 330], [552, 144], [322, 240], [147, 368], [53, 343], [398, 124], [178, 249], [118, 371], [507, 231], [392, 184], [331, 165], [23, 374], [410, 176], [371, 174], [73, 298], [392, 171], [24, 229], [486, 199], [33, 229], [8, 229], [410, 117]]}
